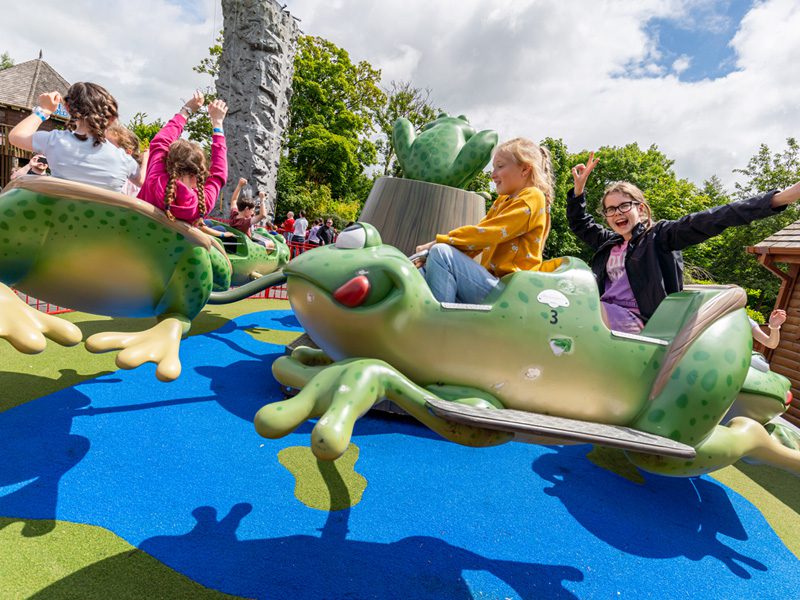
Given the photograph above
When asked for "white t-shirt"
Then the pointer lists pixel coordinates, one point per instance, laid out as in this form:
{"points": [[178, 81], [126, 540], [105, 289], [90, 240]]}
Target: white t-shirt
{"points": [[105, 165], [300, 227]]}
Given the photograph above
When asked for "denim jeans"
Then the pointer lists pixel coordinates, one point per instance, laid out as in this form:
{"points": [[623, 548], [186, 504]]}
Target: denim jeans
{"points": [[455, 277]]}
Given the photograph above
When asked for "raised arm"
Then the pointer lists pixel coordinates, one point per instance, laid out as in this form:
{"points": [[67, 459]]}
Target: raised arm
{"points": [[21, 135], [262, 211], [776, 319], [700, 226], [788, 196], [218, 172], [238, 190], [159, 145], [580, 222]]}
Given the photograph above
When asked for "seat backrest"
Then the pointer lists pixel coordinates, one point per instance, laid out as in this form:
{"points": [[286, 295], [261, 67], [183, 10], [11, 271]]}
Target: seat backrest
{"points": [[725, 299]]}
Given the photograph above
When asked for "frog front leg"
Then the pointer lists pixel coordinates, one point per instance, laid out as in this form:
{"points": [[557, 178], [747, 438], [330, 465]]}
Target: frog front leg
{"points": [[741, 438], [472, 158], [26, 328], [339, 394]]}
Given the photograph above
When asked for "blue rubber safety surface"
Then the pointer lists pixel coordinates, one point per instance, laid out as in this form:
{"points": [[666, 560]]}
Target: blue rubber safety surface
{"points": [[178, 470]]}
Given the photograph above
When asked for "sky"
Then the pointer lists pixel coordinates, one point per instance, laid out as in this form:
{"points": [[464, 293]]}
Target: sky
{"points": [[707, 81]]}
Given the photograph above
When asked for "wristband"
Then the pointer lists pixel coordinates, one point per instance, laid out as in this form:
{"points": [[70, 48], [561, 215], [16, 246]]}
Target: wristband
{"points": [[41, 113], [778, 328], [218, 130], [187, 109]]}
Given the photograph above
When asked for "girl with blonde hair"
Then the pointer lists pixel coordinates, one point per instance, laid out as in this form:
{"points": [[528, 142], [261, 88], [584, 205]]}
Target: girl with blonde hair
{"points": [[509, 238], [178, 179], [637, 262]]}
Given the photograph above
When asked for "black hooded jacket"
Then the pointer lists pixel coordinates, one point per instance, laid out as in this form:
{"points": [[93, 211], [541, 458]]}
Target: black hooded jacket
{"points": [[653, 259]]}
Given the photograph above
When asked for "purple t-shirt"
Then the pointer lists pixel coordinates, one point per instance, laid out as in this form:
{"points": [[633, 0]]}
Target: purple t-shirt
{"points": [[618, 299]]}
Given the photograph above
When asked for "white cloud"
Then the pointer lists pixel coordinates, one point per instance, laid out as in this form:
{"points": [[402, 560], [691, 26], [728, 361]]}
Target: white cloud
{"points": [[586, 71], [143, 51], [681, 63]]}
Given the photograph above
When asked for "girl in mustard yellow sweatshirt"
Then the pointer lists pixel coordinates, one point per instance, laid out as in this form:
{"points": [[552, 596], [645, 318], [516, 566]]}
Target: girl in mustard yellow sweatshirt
{"points": [[509, 238]]}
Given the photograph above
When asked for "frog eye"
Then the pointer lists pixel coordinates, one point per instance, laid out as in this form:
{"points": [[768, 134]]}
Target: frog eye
{"points": [[352, 238]]}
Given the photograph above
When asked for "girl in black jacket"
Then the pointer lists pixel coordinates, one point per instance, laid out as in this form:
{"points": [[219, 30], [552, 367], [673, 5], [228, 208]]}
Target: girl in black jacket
{"points": [[638, 262]]}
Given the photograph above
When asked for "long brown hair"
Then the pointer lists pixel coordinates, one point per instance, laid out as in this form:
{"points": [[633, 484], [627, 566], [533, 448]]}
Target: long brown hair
{"points": [[185, 158], [626, 188], [95, 105]]}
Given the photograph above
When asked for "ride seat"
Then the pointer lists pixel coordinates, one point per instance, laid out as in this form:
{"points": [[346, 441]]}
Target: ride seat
{"points": [[682, 317]]}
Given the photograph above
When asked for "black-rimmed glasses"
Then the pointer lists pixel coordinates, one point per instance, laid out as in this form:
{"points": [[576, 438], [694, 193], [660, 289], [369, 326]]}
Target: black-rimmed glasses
{"points": [[624, 207]]}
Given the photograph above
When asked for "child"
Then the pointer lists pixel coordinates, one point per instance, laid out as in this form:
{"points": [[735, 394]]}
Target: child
{"points": [[313, 238], [178, 180], [124, 138], [80, 153], [243, 213], [511, 235], [638, 262]]}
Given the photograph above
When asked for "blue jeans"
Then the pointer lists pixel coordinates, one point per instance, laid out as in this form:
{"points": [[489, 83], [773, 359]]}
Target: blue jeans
{"points": [[455, 277]]}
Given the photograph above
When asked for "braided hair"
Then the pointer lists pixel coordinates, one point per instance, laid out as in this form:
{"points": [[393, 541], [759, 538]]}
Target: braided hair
{"points": [[93, 104], [185, 158]]}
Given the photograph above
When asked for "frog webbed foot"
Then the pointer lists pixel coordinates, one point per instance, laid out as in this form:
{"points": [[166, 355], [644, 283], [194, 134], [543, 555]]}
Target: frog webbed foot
{"points": [[27, 329], [159, 345], [341, 393]]}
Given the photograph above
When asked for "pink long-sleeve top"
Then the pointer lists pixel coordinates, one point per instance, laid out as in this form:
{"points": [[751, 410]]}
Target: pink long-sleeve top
{"points": [[184, 205]]}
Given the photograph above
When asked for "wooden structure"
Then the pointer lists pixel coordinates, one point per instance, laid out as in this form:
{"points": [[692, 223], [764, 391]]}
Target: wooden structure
{"points": [[20, 87], [784, 247], [408, 213]]}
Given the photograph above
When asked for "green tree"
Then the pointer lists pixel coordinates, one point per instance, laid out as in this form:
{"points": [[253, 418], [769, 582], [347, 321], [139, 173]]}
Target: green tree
{"points": [[198, 126], [728, 260], [144, 130], [402, 100], [6, 61], [561, 241], [332, 114]]}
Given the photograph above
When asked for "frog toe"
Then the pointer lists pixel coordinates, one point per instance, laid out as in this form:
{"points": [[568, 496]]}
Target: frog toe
{"points": [[159, 345], [27, 329], [278, 419]]}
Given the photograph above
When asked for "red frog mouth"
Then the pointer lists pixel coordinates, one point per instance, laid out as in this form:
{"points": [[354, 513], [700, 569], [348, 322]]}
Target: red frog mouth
{"points": [[354, 292]]}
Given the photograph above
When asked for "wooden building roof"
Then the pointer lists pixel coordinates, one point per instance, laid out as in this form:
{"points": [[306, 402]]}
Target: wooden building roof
{"points": [[22, 84], [786, 241]]}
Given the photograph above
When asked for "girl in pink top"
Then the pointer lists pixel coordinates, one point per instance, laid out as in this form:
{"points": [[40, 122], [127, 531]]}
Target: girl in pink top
{"points": [[178, 180]]}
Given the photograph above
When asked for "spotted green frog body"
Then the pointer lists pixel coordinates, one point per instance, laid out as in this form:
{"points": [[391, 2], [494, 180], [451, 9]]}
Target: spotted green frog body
{"points": [[538, 345], [446, 151], [84, 248]]}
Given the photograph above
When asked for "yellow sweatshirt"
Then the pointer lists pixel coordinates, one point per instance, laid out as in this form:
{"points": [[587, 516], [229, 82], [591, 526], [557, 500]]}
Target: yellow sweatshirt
{"points": [[511, 235]]}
